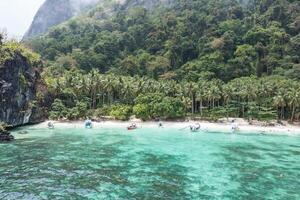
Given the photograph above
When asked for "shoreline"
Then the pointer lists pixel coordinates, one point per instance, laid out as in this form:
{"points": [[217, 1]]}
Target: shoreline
{"points": [[222, 127]]}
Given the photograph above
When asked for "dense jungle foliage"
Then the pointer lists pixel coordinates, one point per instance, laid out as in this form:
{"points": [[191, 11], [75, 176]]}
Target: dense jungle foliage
{"points": [[9, 50], [213, 58]]}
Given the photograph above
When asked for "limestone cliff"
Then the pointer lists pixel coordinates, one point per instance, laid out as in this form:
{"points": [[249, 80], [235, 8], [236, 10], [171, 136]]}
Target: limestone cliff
{"points": [[18, 86], [55, 12]]}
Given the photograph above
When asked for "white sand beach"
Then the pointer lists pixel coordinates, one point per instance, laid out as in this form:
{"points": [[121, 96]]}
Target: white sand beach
{"points": [[224, 127]]}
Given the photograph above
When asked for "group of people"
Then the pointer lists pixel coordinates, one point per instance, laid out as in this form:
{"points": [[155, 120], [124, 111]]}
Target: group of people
{"points": [[197, 127]]}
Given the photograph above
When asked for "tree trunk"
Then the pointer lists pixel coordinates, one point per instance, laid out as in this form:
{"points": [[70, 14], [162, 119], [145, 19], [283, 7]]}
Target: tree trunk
{"points": [[201, 105], [243, 108], [293, 113], [94, 100], [193, 104], [227, 114], [103, 99], [282, 112]]}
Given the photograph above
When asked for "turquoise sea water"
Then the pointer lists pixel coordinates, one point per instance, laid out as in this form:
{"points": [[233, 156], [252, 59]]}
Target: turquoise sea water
{"points": [[149, 163]]}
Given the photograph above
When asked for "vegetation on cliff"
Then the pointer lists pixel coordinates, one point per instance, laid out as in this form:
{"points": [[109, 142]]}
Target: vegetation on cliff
{"points": [[5, 136], [10, 49], [214, 58], [19, 80]]}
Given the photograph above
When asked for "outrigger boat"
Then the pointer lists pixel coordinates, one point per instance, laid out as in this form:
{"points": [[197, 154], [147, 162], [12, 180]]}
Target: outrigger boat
{"points": [[195, 128], [50, 125], [132, 127], [88, 124], [234, 128]]}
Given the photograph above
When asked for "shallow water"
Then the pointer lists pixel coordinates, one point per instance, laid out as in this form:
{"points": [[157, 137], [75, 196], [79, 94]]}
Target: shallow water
{"points": [[148, 163]]}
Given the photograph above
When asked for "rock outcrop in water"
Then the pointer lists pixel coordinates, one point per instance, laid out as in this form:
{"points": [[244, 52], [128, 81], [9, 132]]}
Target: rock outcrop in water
{"points": [[5, 136], [19, 81]]}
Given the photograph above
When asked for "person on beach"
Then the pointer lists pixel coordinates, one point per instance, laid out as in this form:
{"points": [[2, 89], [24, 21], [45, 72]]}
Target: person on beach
{"points": [[160, 125]]}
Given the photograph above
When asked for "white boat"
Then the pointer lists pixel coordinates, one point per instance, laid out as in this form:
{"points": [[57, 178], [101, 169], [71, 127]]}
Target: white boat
{"points": [[234, 128], [195, 128]]}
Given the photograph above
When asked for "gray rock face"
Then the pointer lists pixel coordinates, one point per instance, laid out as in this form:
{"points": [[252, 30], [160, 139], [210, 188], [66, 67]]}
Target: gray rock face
{"points": [[18, 86], [51, 13], [54, 12]]}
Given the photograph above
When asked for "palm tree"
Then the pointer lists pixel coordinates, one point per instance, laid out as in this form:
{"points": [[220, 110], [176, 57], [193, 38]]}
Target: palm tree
{"points": [[227, 96], [109, 87], [127, 91], [294, 100], [280, 102], [191, 91], [201, 95]]}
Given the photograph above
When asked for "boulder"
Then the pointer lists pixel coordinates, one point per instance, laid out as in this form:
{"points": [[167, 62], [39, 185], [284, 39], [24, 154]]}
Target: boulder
{"points": [[5, 136]]}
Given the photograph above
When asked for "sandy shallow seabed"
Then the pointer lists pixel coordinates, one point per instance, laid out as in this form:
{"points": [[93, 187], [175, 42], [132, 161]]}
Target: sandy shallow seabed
{"points": [[205, 126]]}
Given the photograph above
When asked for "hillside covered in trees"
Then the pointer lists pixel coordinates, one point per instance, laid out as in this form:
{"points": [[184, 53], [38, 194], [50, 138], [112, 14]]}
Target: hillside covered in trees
{"points": [[213, 58]]}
